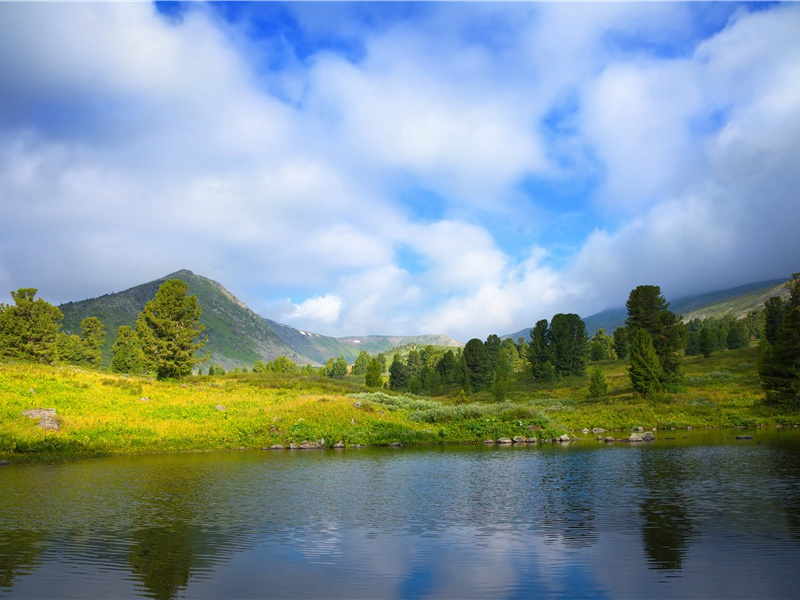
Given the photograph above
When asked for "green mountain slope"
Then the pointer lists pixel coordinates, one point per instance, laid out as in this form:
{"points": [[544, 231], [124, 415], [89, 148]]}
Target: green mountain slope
{"points": [[236, 335]]}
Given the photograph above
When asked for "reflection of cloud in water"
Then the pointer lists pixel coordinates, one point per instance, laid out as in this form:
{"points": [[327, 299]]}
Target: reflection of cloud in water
{"points": [[461, 522]]}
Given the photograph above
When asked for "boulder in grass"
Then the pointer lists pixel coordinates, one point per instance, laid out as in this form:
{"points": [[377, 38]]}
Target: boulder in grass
{"points": [[40, 413]]}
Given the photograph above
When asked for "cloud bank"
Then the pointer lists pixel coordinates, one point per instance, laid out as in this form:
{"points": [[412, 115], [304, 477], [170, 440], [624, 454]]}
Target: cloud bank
{"points": [[400, 168]]}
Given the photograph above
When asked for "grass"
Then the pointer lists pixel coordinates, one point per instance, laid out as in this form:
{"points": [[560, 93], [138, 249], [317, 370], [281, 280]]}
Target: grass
{"points": [[102, 413]]}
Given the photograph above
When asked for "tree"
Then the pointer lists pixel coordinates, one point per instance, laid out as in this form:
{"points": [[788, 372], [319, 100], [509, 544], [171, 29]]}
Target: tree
{"points": [[284, 365], [645, 368], [738, 335], [70, 349], [398, 374], [648, 310], [29, 328], [775, 310], [568, 340], [373, 374], [597, 383], [360, 365], [168, 329], [538, 349], [413, 365], [447, 368], [502, 377], [477, 364], [779, 366], [621, 343], [492, 347], [94, 335], [601, 346], [509, 348], [84, 349], [339, 369], [709, 341]]}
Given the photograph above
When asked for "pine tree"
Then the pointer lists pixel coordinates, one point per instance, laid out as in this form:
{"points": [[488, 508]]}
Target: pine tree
{"points": [[373, 374], [360, 365], [476, 361], [29, 328], [126, 354], [645, 368], [398, 374], [597, 383], [779, 366], [568, 343], [168, 329], [538, 349], [648, 310]]}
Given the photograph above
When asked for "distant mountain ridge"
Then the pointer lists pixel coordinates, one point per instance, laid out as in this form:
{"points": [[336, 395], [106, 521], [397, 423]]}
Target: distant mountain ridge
{"points": [[237, 335], [736, 301]]}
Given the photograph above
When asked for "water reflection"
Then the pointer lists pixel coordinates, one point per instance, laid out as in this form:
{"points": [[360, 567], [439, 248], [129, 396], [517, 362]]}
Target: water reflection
{"points": [[667, 527], [19, 554], [583, 520]]}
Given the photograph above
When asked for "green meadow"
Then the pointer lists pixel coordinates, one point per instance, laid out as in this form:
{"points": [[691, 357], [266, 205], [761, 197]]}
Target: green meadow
{"points": [[99, 413]]}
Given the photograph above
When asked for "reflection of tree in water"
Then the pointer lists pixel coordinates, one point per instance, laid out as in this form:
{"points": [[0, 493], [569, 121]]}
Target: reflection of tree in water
{"points": [[181, 526], [786, 462], [666, 531], [162, 558], [165, 542], [566, 501], [19, 554], [667, 527]]}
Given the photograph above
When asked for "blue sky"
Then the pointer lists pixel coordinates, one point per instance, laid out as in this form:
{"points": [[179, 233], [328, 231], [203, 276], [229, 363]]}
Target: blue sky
{"points": [[400, 168]]}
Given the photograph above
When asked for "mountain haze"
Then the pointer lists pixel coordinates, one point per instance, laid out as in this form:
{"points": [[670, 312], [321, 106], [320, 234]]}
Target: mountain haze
{"points": [[236, 335]]}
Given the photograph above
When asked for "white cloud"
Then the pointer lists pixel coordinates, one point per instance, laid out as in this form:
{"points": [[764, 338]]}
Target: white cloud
{"points": [[325, 309]]}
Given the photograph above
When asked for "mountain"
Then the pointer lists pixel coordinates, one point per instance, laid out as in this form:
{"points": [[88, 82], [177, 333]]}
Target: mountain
{"points": [[737, 302], [236, 335]]}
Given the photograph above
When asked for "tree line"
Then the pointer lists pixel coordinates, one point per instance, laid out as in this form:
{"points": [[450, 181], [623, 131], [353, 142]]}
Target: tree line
{"points": [[654, 340], [30, 331], [164, 341]]}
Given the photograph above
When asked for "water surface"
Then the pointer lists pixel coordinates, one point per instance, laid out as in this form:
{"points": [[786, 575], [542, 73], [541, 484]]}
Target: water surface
{"points": [[700, 515]]}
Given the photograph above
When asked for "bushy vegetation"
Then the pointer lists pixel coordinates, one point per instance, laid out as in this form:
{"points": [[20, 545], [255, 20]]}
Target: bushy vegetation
{"points": [[101, 413]]}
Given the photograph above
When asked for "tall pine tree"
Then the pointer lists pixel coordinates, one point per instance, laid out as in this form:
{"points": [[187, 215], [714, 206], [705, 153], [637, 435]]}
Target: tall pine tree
{"points": [[779, 367], [168, 330], [648, 310]]}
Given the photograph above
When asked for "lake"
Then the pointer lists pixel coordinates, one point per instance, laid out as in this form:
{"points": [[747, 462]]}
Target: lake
{"points": [[700, 515]]}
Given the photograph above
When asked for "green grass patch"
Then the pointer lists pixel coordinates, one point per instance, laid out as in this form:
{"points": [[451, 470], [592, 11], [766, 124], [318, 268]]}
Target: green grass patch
{"points": [[102, 413]]}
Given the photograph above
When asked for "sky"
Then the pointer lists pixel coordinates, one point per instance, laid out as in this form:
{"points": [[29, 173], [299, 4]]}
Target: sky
{"points": [[400, 168]]}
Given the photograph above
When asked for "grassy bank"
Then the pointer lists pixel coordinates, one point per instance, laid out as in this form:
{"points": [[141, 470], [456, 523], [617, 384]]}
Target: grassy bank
{"points": [[101, 413]]}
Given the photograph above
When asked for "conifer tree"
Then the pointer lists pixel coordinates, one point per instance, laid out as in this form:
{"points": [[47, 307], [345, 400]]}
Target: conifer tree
{"points": [[779, 366], [168, 330], [373, 374], [29, 328], [597, 383], [648, 310], [645, 368]]}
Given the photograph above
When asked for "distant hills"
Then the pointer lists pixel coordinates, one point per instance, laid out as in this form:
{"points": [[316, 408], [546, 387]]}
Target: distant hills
{"points": [[236, 335], [736, 302]]}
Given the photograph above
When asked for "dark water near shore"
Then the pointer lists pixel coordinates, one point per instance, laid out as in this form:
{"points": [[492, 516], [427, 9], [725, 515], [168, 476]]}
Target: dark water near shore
{"points": [[701, 515]]}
